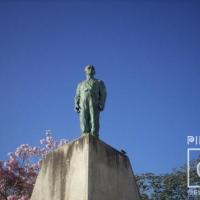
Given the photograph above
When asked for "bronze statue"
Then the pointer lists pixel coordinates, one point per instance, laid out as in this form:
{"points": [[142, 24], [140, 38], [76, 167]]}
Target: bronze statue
{"points": [[89, 101]]}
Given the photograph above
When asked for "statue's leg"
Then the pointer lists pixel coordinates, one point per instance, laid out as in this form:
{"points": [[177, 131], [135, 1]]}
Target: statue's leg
{"points": [[94, 119], [84, 119]]}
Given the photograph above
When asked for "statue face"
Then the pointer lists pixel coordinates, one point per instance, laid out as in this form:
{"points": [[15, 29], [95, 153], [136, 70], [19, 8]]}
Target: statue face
{"points": [[89, 70]]}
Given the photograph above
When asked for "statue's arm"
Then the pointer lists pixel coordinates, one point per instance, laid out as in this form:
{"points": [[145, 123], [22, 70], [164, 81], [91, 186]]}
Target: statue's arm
{"points": [[102, 95], [77, 99]]}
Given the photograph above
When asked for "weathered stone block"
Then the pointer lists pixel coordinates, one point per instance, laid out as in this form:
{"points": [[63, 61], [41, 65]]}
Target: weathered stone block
{"points": [[86, 169]]}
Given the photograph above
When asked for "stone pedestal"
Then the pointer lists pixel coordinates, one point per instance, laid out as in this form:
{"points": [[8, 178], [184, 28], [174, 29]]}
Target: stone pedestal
{"points": [[86, 169]]}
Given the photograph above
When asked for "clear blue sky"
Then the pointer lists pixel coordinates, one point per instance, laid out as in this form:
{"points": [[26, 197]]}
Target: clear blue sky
{"points": [[147, 52]]}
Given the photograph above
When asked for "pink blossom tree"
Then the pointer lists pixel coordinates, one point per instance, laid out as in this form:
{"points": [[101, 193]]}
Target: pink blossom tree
{"points": [[18, 174]]}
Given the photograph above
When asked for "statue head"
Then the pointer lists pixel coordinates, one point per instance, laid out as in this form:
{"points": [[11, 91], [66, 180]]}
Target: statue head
{"points": [[89, 70]]}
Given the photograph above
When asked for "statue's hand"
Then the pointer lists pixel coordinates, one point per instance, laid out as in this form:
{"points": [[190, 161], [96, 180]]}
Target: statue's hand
{"points": [[77, 109], [100, 107]]}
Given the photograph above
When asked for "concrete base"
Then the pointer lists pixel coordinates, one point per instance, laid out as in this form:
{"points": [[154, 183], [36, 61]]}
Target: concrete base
{"points": [[86, 169]]}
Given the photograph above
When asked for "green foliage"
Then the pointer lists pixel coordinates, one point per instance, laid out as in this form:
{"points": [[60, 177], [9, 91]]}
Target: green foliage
{"points": [[171, 186]]}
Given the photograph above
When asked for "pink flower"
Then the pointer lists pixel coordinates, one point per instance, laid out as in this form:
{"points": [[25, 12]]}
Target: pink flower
{"points": [[23, 165]]}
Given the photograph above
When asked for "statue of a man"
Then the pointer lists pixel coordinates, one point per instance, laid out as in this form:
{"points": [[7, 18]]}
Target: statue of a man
{"points": [[89, 101]]}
